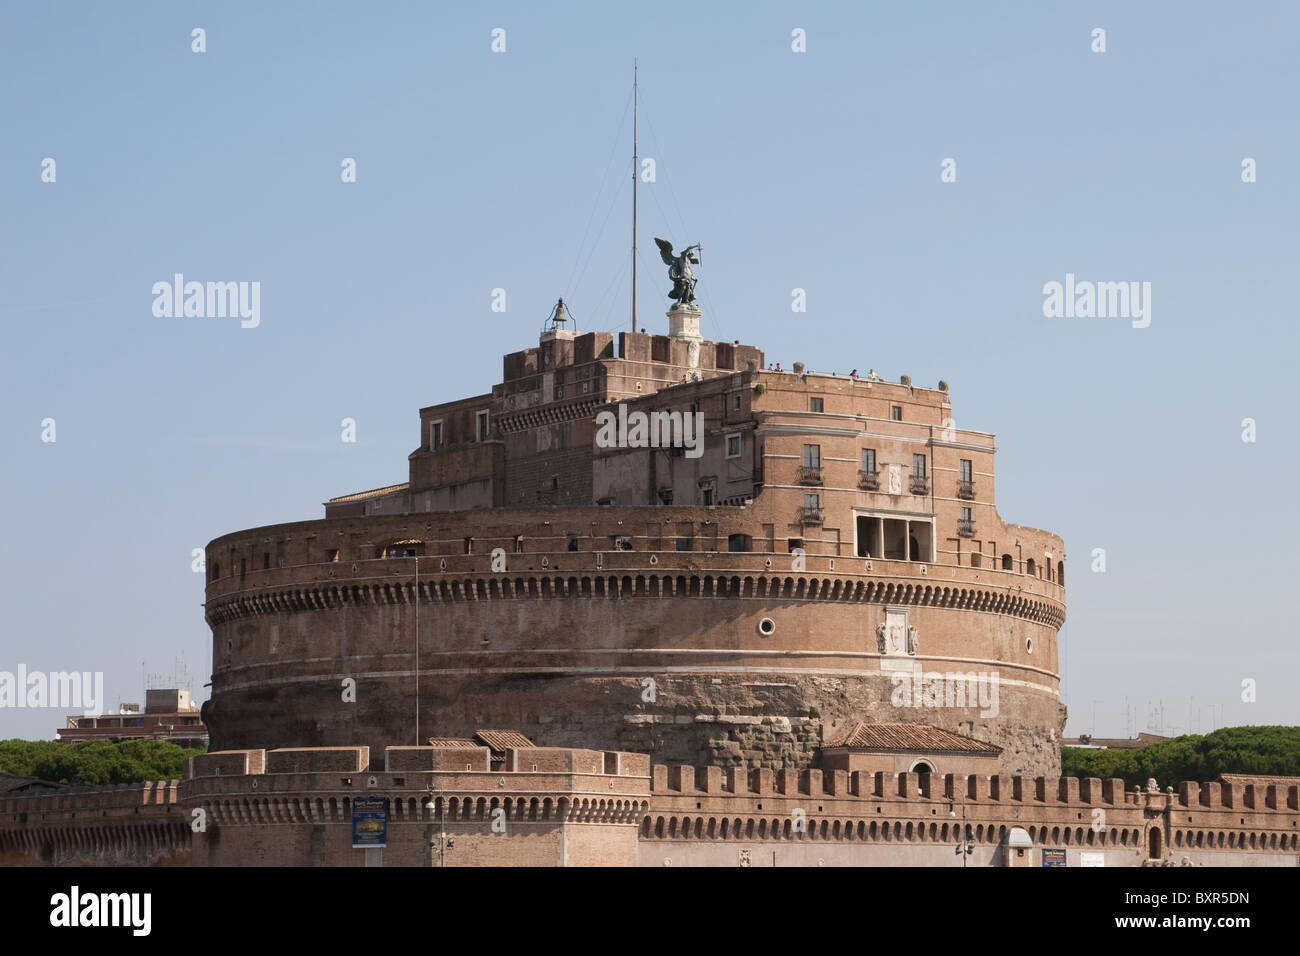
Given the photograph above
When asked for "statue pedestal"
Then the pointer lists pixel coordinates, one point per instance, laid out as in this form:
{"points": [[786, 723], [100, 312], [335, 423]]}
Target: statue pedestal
{"points": [[684, 323]]}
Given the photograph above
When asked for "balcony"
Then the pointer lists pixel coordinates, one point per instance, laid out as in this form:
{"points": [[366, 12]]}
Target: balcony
{"points": [[919, 485], [966, 489], [965, 528], [808, 475], [810, 515], [869, 480]]}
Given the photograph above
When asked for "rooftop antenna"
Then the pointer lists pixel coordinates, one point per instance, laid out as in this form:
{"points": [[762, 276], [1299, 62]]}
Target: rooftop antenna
{"points": [[635, 177]]}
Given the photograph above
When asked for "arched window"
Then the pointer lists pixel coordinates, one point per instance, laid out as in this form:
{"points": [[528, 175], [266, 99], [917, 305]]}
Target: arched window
{"points": [[1030, 568], [1060, 573], [976, 559], [1006, 562], [739, 542]]}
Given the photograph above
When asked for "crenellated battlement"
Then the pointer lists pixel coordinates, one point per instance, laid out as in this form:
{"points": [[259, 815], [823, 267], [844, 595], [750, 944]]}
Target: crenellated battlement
{"points": [[136, 824], [73, 800], [995, 790], [908, 818], [295, 806]]}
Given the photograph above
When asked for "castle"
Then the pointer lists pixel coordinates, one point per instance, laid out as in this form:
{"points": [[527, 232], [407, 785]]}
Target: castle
{"points": [[800, 636], [741, 600]]}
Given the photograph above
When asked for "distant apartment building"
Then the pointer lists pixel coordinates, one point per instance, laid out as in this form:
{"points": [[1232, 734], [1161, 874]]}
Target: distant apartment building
{"points": [[168, 714]]}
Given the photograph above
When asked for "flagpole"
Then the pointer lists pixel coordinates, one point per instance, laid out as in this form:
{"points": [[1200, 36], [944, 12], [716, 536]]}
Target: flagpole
{"points": [[635, 177]]}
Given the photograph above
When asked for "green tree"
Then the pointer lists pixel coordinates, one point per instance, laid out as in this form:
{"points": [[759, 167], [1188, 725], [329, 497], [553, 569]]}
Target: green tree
{"points": [[1264, 750], [95, 762]]}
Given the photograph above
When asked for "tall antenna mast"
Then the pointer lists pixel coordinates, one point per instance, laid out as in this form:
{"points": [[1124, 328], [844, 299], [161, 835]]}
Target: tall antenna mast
{"points": [[635, 177]]}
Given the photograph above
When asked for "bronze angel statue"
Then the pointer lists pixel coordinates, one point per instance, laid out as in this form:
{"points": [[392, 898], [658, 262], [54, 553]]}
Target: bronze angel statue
{"points": [[679, 270]]}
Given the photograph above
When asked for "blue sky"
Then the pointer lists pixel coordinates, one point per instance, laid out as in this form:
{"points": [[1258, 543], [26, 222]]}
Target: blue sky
{"points": [[817, 170]]}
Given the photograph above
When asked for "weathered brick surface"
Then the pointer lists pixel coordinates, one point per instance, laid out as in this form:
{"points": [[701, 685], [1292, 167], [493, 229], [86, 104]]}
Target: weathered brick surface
{"points": [[685, 630]]}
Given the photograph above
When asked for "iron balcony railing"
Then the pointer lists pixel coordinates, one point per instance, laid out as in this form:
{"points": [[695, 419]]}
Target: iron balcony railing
{"points": [[920, 485], [965, 489], [966, 527], [869, 480], [810, 515], [808, 475]]}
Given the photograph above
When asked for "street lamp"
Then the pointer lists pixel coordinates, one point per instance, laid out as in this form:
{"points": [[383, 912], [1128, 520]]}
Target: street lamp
{"points": [[442, 843], [965, 846], [416, 662]]}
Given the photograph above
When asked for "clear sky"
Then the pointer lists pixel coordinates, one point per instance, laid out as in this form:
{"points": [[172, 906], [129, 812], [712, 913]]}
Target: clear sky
{"points": [[817, 170]]}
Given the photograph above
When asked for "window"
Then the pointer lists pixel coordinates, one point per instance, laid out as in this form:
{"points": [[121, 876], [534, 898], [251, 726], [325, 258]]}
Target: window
{"points": [[573, 542], [739, 542], [737, 402], [519, 544], [266, 560], [812, 456], [469, 545], [896, 412], [435, 435], [1006, 562], [965, 487], [1030, 568], [866, 536], [816, 405], [812, 501], [481, 426], [332, 554], [793, 544], [918, 466], [733, 446], [555, 482], [869, 460], [965, 515], [683, 544], [706, 495]]}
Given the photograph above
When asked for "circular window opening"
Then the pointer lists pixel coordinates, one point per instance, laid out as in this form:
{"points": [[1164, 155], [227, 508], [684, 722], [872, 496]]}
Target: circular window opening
{"points": [[767, 627], [1029, 645]]}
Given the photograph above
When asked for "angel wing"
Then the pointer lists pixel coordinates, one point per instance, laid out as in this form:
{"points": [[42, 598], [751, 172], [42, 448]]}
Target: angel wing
{"points": [[665, 251]]}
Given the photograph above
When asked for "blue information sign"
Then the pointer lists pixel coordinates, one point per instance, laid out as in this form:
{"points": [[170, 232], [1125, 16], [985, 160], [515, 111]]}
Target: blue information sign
{"points": [[369, 822], [1053, 857]]}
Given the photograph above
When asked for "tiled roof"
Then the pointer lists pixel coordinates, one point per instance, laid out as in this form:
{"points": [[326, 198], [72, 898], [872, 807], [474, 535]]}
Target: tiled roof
{"points": [[500, 740], [453, 743], [909, 737], [372, 493], [16, 783]]}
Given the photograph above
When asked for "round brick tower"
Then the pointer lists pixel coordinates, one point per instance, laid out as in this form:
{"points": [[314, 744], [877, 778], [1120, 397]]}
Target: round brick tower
{"points": [[573, 559]]}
